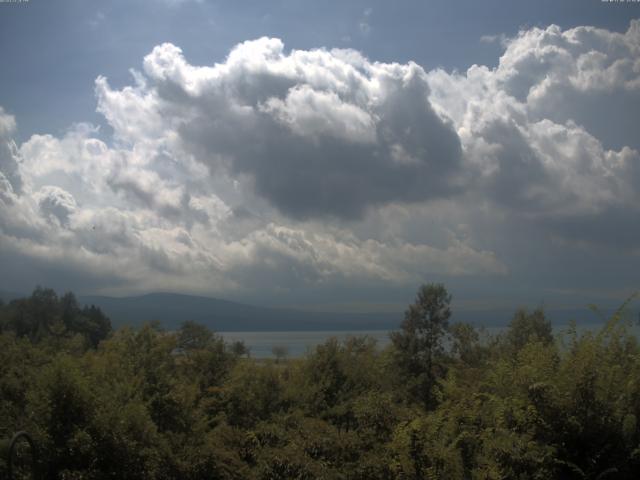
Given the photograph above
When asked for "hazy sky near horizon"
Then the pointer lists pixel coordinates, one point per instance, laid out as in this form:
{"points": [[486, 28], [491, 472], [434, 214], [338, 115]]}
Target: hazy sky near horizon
{"points": [[322, 154]]}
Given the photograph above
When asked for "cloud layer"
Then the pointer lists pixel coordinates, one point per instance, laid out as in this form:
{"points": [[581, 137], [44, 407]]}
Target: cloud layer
{"points": [[293, 170], [316, 133], [525, 125]]}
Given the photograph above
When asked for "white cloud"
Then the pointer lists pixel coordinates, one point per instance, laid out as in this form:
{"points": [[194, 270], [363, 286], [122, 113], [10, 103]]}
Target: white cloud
{"points": [[537, 166], [133, 223], [500, 39], [297, 125], [56, 203], [314, 114], [9, 159], [307, 169]]}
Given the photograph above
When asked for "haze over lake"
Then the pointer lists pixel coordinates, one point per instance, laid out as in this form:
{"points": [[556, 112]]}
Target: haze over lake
{"points": [[299, 343]]}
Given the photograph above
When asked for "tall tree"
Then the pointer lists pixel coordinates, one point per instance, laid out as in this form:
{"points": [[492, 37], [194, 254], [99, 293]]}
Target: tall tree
{"points": [[420, 340], [526, 327], [194, 336]]}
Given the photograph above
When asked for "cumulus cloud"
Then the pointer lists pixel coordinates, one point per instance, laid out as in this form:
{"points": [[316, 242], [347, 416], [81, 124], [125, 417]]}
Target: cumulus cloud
{"points": [[9, 171], [148, 222], [285, 170], [501, 39], [56, 203], [317, 133], [549, 168]]}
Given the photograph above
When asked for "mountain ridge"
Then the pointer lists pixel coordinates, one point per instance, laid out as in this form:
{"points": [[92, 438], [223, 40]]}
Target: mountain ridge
{"points": [[171, 309]]}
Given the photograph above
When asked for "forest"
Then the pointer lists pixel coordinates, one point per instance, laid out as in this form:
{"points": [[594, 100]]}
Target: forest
{"points": [[443, 400]]}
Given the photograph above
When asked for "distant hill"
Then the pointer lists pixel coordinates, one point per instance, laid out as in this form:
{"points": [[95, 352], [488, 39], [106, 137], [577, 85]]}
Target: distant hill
{"points": [[171, 309]]}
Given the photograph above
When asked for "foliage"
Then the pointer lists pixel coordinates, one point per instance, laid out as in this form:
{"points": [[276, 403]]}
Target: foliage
{"points": [[528, 327], [45, 316], [442, 401], [419, 343]]}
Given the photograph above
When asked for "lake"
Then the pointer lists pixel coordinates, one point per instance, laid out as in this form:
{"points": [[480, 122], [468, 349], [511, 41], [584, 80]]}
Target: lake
{"points": [[298, 343]]}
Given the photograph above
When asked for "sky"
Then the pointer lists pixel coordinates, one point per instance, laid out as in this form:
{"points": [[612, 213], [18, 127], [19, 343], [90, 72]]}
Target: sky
{"points": [[325, 155]]}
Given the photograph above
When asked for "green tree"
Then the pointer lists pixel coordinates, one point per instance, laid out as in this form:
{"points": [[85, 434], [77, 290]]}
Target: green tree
{"points": [[194, 336], [239, 349], [420, 341], [526, 327], [280, 352], [465, 344], [94, 325], [152, 404], [44, 315]]}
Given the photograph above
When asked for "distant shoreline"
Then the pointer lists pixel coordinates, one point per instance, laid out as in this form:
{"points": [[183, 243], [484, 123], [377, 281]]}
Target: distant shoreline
{"points": [[298, 342]]}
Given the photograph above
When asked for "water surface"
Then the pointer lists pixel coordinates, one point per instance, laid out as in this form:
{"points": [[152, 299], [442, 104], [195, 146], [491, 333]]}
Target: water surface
{"points": [[298, 343]]}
